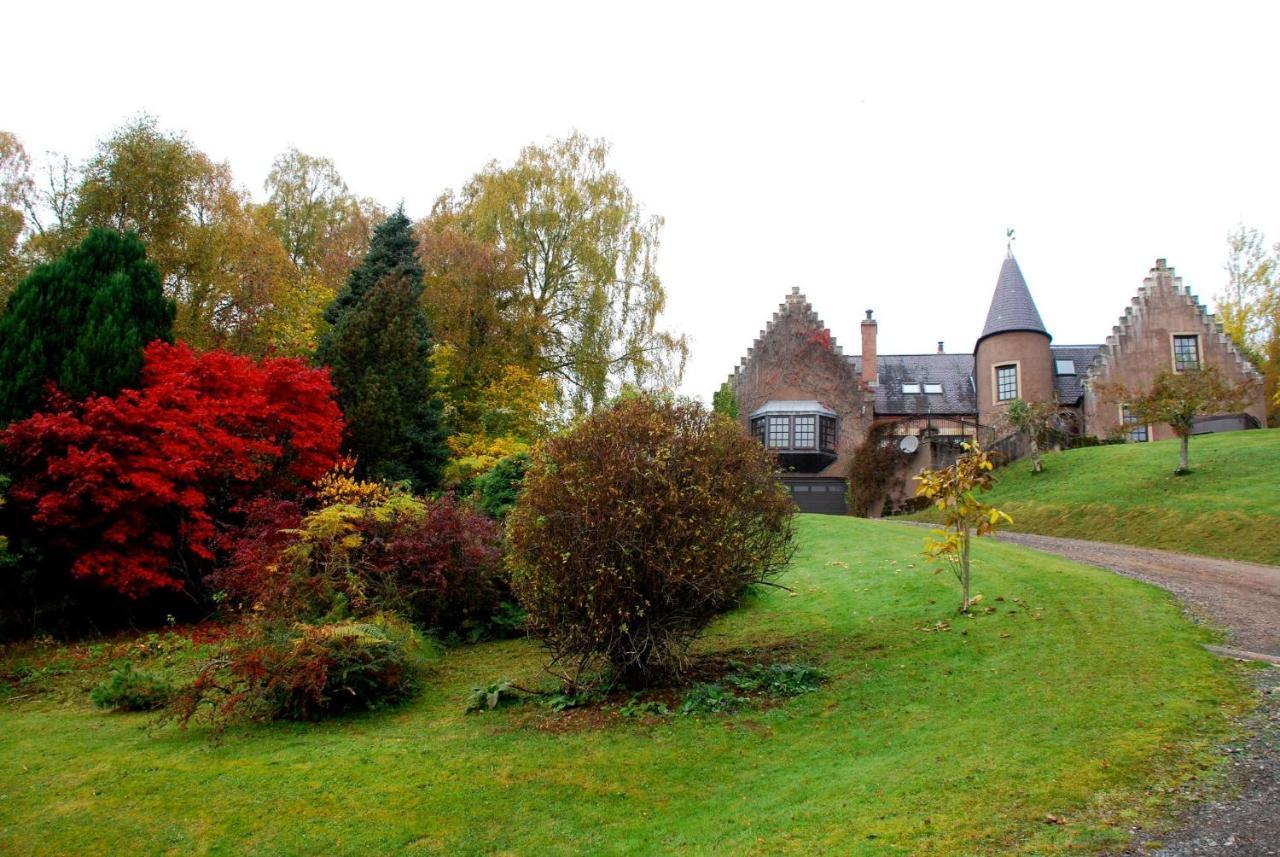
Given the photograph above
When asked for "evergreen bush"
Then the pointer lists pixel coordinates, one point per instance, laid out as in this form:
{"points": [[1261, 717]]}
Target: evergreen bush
{"points": [[81, 322]]}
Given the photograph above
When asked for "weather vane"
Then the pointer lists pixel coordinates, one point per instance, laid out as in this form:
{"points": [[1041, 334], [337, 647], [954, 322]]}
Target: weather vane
{"points": [[1009, 236]]}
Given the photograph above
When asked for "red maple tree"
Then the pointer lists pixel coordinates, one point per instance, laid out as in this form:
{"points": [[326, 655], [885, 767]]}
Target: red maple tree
{"points": [[137, 486]]}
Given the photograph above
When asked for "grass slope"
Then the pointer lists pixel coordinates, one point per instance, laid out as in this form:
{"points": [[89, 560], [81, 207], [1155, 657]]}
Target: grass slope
{"points": [[1084, 696], [1228, 506]]}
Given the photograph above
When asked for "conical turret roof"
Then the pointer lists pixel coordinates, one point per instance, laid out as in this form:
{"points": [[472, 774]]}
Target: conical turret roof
{"points": [[1011, 306]]}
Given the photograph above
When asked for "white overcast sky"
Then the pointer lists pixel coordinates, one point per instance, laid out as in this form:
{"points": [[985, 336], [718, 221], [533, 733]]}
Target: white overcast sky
{"points": [[871, 154]]}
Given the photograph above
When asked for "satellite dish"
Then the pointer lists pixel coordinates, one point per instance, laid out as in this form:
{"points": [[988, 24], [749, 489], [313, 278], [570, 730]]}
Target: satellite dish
{"points": [[909, 444]]}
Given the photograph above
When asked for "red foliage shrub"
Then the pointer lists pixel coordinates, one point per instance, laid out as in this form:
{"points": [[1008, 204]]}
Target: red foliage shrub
{"points": [[435, 562], [141, 484], [306, 672], [446, 566], [250, 573]]}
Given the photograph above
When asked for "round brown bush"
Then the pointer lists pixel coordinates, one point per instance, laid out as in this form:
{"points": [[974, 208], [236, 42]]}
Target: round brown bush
{"points": [[636, 527]]}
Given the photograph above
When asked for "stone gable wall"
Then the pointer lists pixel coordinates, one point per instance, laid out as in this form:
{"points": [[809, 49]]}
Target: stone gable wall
{"points": [[1140, 347], [796, 358]]}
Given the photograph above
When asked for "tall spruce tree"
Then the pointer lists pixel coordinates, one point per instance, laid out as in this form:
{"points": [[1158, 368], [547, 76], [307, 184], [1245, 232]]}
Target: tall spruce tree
{"points": [[379, 352], [81, 322]]}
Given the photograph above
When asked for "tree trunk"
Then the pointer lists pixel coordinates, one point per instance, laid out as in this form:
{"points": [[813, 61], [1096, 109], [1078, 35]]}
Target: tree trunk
{"points": [[964, 575], [1185, 465], [1036, 466]]}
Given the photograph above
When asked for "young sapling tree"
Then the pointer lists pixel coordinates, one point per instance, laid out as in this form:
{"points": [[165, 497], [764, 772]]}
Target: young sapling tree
{"points": [[954, 490]]}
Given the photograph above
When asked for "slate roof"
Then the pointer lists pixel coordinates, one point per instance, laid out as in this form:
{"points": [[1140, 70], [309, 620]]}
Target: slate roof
{"points": [[953, 371], [1071, 387], [1011, 306]]}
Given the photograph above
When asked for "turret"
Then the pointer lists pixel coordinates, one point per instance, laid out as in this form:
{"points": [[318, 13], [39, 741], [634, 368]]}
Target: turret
{"points": [[1012, 359]]}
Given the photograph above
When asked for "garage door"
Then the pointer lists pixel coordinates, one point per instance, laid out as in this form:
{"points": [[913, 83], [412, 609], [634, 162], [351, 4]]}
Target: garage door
{"points": [[821, 496]]}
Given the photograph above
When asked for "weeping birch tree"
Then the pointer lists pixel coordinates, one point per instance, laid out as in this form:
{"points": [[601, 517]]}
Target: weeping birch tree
{"points": [[587, 254]]}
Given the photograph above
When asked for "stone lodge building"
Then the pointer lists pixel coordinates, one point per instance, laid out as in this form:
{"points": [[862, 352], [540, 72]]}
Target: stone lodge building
{"points": [[802, 396]]}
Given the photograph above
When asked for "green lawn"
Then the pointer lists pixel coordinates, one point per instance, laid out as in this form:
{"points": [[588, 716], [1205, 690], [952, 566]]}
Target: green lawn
{"points": [[1228, 506], [1084, 696]]}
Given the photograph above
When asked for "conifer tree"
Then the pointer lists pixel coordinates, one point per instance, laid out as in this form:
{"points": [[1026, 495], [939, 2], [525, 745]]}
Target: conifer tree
{"points": [[81, 322], [392, 251], [379, 351]]}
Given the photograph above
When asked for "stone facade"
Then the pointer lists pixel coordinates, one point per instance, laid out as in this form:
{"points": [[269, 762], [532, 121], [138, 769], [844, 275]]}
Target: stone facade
{"points": [[1140, 347], [1026, 350], [796, 357]]}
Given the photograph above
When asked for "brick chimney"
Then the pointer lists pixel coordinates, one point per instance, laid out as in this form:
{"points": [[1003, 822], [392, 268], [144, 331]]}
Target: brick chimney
{"points": [[940, 351], [870, 368]]}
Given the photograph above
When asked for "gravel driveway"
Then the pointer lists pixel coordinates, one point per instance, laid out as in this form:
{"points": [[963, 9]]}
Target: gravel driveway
{"points": [[1243, 816], [1242, 597]]}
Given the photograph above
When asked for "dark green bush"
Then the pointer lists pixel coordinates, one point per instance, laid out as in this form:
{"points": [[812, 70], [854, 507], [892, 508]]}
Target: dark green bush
{"points": [[130, 689], [636, 528], [304, 672], [497, 490]]}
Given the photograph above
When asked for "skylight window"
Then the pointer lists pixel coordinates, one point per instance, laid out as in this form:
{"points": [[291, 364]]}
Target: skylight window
{"points": [[911, 388], [933, 389], [1065, 367]]}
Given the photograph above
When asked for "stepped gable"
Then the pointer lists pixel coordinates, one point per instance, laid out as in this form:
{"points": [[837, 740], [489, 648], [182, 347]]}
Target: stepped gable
{"points": [[1012, 308], [1126, 330], [797, 305]]}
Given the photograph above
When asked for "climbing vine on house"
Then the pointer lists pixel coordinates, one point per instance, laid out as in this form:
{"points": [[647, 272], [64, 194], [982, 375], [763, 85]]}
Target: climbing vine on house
{"points": [[872, 469]]}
